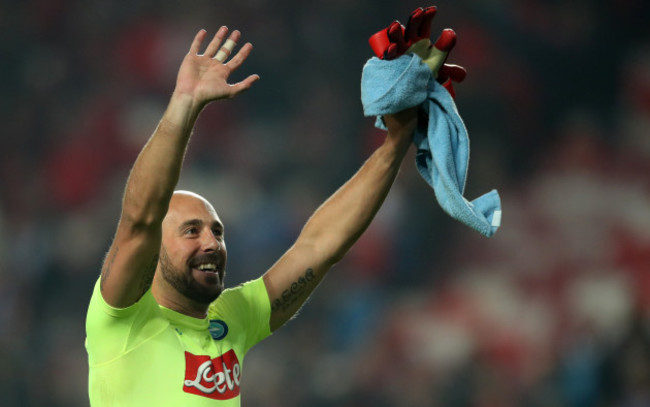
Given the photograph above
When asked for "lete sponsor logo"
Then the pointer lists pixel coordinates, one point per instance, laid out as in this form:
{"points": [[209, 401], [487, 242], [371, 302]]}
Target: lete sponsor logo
{"points": [[217, 378]]}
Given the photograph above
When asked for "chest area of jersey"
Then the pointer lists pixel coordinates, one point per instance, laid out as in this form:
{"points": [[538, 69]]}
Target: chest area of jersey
{"points": [[212, 366]]}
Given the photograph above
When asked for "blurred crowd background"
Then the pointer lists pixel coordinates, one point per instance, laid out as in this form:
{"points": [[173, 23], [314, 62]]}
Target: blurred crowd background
{"points": [[554, 310]]}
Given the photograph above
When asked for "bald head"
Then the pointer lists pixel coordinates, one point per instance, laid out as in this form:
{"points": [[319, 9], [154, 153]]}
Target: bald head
{"points": [[184, 203], [181, 196]]}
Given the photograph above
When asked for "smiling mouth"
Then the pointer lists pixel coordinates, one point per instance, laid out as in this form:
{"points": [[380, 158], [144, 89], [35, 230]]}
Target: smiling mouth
{"points": [[212, 271], [208, 268]]}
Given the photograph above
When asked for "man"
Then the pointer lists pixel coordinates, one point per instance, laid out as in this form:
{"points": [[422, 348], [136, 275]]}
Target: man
{"points": [[161, 329]]}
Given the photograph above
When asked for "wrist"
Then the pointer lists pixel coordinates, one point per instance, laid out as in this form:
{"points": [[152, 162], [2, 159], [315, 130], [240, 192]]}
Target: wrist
{"points": [[401, 127], [399, 141], [183, 110], [187, 101]]}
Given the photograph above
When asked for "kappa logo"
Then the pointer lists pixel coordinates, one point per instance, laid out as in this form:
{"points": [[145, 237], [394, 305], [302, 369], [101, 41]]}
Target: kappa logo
{"points": [[217, 378]]}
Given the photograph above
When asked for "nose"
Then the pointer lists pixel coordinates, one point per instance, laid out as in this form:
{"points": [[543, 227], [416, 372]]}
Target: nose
{"points": [[210, 242]]}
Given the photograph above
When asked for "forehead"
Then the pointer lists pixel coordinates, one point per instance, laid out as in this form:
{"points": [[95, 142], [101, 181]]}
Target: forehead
{"points": [[184, 206]]}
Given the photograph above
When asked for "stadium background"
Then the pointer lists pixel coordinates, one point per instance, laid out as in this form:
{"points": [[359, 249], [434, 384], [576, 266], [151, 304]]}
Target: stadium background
{"points": [[552, 311]]}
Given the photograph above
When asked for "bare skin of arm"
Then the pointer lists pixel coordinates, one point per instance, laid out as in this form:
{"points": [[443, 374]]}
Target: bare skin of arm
{"points": [[130, 263], [340, 221], [337, 223]]}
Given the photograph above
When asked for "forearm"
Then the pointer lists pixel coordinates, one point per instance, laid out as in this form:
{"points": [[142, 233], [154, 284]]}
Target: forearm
{"points": [[341, 220], [157, 169], [338, 223], [331, 231]]}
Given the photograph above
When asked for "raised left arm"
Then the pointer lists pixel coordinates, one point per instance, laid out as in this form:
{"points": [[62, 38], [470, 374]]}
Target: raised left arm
{"points": [[337, 223]]}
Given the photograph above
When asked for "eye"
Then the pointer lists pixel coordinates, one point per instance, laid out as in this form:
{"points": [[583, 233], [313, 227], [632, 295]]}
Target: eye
{"points": [[191, 231], [218, 232]]}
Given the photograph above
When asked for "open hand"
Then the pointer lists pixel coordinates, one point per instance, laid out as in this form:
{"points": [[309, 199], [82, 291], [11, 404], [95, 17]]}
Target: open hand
{"points": [[204, 77]]}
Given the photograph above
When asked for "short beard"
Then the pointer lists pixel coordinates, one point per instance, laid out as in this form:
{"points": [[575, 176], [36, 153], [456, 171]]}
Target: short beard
{"points": [[184, 283]]}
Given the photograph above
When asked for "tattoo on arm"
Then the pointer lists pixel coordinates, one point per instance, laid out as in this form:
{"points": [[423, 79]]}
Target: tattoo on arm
{"points": [[107, 269], [147, 275], [292, 294]]}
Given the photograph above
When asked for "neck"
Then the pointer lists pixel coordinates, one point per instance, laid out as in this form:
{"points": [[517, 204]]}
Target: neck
{"points": [[169, 297]]}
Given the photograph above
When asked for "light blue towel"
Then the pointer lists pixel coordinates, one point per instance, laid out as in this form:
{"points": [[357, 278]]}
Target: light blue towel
{"points": [[442, 156]]}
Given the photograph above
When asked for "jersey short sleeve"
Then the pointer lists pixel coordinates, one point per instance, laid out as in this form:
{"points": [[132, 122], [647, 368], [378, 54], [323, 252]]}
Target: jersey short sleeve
{"points": [[111, 332], [248, 305]]}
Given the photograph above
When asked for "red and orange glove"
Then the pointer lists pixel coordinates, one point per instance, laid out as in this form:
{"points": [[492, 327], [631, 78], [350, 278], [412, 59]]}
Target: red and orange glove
{"points": [[396, 40]]}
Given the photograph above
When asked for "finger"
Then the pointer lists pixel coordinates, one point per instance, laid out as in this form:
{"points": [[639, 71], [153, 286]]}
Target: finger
{"points": [[228, 46], [213, 46], [427, 20], [226, 50], [450, 88], [236, 61], [440, 50], [396, 36], [449, 74], [454, 72], [196, 43], [436, 60], [244, 85], [379, 43], [391, 52], [413, 25], [446, 41]]}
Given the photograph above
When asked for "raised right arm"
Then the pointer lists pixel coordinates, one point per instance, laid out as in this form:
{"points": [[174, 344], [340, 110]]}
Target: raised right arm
{"points": [[131, 261]]}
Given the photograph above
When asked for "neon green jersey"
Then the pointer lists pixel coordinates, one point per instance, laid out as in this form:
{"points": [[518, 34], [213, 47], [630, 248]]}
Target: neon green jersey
{"points": [[149, 355]]}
